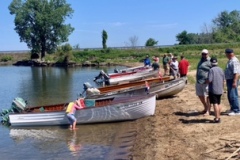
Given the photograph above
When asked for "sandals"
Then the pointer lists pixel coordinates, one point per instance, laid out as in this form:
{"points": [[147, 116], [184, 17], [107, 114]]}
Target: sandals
{"points": [[215, 120]]}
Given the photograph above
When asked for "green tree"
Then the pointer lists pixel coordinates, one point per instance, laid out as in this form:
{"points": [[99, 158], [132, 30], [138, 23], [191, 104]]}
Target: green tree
{"points": [[188, 38], [151, 42], [104, 39], [40, 23], [182, 37], [65, 53], [227, 27]]}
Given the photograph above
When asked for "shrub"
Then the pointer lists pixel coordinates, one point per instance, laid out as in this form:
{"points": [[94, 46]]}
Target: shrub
{"points": [[6, 58]]}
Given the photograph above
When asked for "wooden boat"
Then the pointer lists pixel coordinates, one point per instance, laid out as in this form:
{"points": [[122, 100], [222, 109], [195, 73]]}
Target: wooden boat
{"points": [[118, 87], [132, 69], [116, 78], [133, 77], [160, 88], [104, 110]]}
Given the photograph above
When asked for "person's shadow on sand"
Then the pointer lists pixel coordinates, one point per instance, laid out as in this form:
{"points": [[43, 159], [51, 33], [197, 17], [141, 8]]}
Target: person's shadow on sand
{"points": [[192, 114], [191, 121], [189, 114]]}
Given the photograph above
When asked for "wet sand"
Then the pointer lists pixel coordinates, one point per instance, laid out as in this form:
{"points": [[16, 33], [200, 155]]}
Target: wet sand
{"points": [[177, 131]]}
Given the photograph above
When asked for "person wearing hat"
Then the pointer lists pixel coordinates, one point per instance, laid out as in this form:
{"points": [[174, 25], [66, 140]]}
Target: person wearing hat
{"points": [[203, 68], [147, 62], [231, 75], [215, 80]]}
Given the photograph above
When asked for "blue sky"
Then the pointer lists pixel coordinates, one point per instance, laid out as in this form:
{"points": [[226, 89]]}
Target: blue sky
{"points": [[122, 19]]}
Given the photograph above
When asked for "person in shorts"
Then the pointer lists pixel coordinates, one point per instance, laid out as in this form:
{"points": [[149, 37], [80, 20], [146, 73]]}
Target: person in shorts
{"points": [[70, 111], [215, 80], [165, 62], [203, 68], [174, 68]]}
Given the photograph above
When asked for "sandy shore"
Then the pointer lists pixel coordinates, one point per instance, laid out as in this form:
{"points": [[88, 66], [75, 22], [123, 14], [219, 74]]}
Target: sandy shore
{"points": [[177, 131]]}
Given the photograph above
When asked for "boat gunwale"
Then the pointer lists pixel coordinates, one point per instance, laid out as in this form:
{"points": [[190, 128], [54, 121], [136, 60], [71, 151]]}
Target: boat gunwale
{"points": [[110, 104]]}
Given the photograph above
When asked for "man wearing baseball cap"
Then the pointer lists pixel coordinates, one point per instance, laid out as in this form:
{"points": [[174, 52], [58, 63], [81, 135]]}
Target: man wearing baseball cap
{"points": [[203, 68], [216, 82], [231, 75]]}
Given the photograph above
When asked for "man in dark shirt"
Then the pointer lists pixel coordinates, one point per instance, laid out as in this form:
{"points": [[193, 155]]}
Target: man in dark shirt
{"points": [[201, 86]]}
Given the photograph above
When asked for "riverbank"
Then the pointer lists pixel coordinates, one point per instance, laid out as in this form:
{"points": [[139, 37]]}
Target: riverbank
{"points": [[177, 131], [120, 57]]}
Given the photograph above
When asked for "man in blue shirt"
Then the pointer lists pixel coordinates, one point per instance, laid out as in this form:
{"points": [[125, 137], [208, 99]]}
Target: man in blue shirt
{"points": [[231, 75], [147, 62]]}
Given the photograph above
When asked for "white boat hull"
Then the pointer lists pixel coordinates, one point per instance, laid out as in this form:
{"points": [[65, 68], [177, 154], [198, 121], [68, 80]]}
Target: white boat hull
{"points": [[142, 107], [133, 77]]}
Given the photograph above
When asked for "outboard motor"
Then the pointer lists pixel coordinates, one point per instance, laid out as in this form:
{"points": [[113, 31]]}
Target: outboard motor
{"points": [[19, 104], [101, 75], [90, 90], [87, 85], [116, 70]]}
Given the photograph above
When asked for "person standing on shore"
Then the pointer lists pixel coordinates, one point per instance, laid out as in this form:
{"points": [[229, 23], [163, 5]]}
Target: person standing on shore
{"points": [[231, 75], [215, 80], [183, 67], [203, 68], [156, 59], [165, 62], [174, 68], [147, 62]]}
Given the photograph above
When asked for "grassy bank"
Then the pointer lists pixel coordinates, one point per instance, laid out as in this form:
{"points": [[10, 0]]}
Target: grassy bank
{"points": [[132, 56]]}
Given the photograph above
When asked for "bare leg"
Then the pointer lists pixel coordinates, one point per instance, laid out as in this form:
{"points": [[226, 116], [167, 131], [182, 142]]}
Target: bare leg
{"points": [[74, 125], [220, 109], [205, 103], [215, 110], [208, 104]]}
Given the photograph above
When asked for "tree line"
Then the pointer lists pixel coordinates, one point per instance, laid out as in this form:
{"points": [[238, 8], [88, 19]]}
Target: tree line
{"points": [[225, 28]]}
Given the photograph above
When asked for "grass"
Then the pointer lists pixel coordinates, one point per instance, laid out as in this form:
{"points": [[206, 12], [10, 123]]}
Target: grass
{"points": [[191, 52]]}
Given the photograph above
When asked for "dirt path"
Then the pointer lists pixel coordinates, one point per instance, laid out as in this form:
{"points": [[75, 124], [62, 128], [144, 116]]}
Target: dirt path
{"points": [[177, 131]]}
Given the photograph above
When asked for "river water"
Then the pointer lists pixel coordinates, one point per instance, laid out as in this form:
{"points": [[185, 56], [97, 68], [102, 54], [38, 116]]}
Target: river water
{"points": [[42, 86]]}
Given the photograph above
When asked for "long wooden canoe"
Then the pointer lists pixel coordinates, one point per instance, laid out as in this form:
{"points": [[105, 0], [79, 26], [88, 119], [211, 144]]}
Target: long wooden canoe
{"points": [[112, 88], [160, 89]]}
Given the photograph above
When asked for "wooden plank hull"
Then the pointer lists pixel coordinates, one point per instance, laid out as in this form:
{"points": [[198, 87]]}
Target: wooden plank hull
{"points": [[130, 109], [160, 89], [118, 87]]}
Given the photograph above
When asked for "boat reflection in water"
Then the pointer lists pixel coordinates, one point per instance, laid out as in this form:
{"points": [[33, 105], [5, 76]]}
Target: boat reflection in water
{"points": [[88, 142]]}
